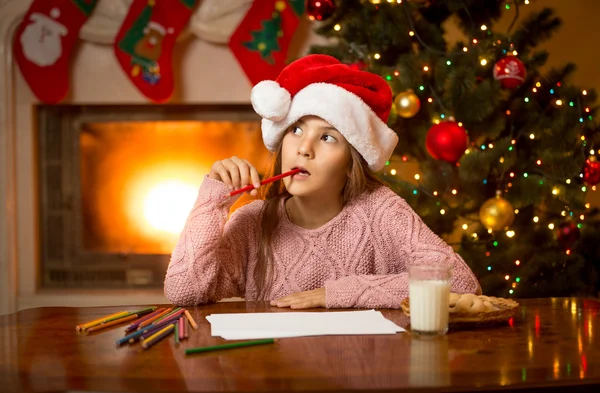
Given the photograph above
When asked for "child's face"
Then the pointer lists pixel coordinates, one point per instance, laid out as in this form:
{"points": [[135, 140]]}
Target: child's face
{"points": [[317, 147]]}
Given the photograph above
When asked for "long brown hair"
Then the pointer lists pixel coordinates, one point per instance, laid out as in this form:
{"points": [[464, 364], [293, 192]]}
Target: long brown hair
{"points": [[360, 179]]}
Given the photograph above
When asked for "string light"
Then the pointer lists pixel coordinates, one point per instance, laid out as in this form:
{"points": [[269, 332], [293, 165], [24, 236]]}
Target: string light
{"points": [[510, 233], [550, 226], [539, 162], [587, 205], [337, 27], [425, 68], [515, 53], [559, 102], [507, 277], [442, 211], [483, 62], [568, 181], [417, 176], [465, 49], [516, 211], [501, 160], [465, 226], [517, 262], [454, 192], [430, 100], [534, 90], [531, 136], [411, 33], [393, 172], [475, 41], [483, 27], [584, 92], [555, 191], [536, 219], [435, 193], [581, 217], [377, 56]]}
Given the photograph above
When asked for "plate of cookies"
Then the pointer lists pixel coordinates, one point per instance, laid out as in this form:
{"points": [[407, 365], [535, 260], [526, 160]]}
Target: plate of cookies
{"points": [[468, 310]]}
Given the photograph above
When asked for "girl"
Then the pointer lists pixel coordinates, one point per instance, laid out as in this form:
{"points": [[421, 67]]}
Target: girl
{"points": [[330, 236]]}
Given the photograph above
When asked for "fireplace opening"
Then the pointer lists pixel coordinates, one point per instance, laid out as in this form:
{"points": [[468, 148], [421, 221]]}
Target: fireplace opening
{"points": [[117, 184]]}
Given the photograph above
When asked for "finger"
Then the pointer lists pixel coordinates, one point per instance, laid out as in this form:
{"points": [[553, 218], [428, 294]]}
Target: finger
{"points": [[254, 175], [224, 175], [234, 173], [244, 169]]}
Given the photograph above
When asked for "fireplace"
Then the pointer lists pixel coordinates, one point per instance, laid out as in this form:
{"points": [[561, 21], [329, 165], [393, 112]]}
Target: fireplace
{"points": [[116, 184]]}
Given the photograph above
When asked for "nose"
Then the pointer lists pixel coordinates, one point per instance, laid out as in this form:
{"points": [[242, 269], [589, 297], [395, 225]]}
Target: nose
{"points": [[305, 148]]}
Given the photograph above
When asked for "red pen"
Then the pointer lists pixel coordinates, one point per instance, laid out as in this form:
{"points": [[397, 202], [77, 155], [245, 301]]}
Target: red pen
{"points": [[263, 182]]}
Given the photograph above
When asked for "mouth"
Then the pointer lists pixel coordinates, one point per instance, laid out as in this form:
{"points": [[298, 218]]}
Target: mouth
{"points": [[303, 171]]}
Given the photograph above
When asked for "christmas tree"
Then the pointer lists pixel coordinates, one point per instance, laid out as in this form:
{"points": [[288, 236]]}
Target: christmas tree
{"points": [[504, 148]]}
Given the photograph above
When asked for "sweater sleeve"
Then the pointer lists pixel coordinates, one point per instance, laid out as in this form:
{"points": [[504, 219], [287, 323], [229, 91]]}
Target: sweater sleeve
{"points": [[407, 240], [210, 258]]}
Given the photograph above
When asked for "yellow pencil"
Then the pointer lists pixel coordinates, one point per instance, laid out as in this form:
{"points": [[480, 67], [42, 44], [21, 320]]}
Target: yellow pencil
{"points": [[98, 321], [190, 319], [112, 323], [153, 339]]}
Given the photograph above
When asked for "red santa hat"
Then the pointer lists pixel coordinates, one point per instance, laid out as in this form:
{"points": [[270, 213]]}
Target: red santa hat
{"points": [[356, 103]]}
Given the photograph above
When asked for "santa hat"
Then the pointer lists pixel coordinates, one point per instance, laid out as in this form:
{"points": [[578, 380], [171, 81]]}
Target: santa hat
{"points": [[356, 103]]}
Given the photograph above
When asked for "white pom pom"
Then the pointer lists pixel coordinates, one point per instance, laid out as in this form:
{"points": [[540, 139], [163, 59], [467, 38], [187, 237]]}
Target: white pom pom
{"points": [[270, 100]]}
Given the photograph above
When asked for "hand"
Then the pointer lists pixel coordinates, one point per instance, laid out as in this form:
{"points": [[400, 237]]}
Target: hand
{"points": [[235, 173], [306, 299]]}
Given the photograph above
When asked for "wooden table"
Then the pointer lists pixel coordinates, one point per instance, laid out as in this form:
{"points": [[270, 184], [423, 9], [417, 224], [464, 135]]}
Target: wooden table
{"points": [[550, 345]]}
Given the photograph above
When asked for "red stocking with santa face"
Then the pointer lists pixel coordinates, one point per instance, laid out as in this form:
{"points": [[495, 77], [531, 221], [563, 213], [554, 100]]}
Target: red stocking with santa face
{"points": [[144, 44], [44, 41]]}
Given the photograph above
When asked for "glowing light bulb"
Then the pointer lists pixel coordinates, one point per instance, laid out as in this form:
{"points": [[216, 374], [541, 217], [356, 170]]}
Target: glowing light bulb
{"points": [[393, 172], [483, 62], [483, 27], [465, 226], [337, 27], [536, 219]]}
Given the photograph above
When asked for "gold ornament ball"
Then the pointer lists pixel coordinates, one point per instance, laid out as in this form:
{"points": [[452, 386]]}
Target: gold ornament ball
{"points": [[407, 104], [496, 213]]}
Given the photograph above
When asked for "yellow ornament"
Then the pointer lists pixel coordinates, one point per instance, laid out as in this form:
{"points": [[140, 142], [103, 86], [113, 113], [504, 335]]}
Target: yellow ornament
{"points": [[407, 104], [496, 213]]}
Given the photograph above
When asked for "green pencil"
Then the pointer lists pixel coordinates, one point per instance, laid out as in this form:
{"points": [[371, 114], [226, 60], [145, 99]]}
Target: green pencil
{"points": [[177, 333], [229, 346]]}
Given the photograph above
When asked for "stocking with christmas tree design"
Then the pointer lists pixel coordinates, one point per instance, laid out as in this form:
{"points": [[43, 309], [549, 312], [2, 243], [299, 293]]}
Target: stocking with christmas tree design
{"points": [[145, 42], [261, 41], [44, 42]]}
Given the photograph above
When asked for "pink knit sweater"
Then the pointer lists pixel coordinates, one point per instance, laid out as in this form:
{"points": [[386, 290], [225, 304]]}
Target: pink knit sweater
{"points": [[359, 256]]}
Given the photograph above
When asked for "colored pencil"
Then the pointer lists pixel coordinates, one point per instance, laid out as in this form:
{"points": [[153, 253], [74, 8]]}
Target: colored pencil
{"points": [[135, 325], [112, 323], [176, 335], [173, 316], [150, 329], [98, 321], [191, 320], [176, 311], [263, 182], [185, 327], [229, 346], [149, 321], [139, 313], [181, 331], [157, 336], [132, 337]]}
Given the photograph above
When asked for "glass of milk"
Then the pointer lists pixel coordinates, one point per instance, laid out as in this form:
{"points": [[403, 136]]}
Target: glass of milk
{"points": [[429, 297]]}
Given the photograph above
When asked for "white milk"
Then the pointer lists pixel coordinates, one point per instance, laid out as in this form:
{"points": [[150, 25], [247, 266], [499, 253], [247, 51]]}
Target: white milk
{"points": [[429, 302]]}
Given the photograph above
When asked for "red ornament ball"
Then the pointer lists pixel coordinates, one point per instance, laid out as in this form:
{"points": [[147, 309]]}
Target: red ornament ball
{"points": [[320, 9], [567, 234], [510, 71], [446, 141], [591, 171]]}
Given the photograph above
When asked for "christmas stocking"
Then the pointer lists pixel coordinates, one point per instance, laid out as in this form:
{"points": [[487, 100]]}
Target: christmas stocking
{"points": [[43, 44], [261, 41], [144, 44]]}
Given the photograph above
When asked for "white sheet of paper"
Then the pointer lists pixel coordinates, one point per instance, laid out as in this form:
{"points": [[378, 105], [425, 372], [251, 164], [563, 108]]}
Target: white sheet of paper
{"points": [[244, 326]]}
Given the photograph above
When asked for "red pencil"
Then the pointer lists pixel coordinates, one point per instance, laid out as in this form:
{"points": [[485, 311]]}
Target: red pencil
{"points": [[263, 182]]}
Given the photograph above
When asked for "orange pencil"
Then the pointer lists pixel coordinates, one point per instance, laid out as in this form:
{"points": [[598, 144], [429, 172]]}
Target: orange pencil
{"points": [[149, 321], [191, 320], [98, 321], [112, 323]]}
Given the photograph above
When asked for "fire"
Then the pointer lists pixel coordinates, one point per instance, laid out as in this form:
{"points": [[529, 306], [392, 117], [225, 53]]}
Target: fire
{"points": [[167, 205], [139, 180]]}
